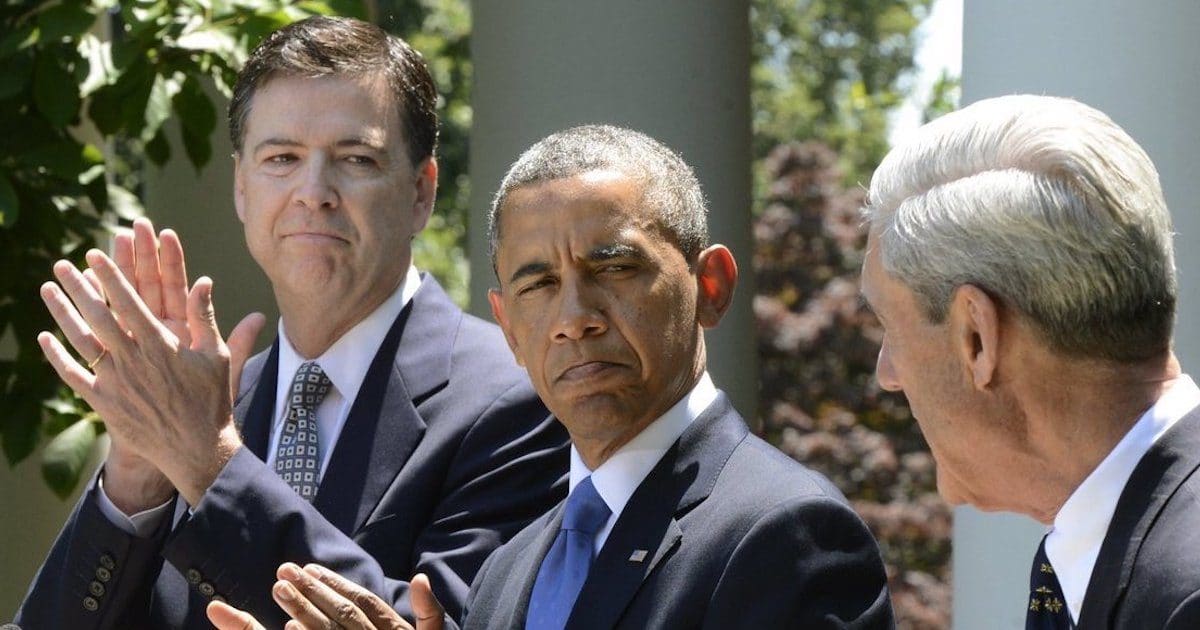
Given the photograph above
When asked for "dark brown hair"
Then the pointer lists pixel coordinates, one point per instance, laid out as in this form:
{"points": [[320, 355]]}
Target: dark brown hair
{"points": [[323, 46]]}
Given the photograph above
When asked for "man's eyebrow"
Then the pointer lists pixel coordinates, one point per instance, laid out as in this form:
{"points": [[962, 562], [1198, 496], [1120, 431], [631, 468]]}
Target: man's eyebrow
{"points": [[355, 141], [529, 269], [275, 142], [615, 250]]}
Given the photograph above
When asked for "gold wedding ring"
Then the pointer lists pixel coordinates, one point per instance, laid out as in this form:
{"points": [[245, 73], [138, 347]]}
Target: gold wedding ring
{"points": [[92, 364]]}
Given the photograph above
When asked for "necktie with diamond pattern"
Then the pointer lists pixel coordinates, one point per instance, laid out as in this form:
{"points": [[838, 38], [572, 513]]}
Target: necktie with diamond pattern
{"points": [[297, 460], [1047, 605]]}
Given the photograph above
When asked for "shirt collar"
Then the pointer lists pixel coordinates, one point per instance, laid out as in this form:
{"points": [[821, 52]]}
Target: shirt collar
{"points": [[620, 475], [346, 361], [1073, 544]]}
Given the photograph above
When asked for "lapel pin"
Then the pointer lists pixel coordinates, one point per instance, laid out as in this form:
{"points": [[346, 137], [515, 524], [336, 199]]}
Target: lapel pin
{"points": [[638, 555]]}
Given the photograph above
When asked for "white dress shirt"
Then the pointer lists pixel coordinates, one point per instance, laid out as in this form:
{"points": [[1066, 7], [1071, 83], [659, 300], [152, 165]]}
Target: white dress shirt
{"points": [[1073, 543], [621, 474], [345, 362]]}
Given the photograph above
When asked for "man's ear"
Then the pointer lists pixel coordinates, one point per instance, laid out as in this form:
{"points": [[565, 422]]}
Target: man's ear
{"points": [[239, 188], [975, 333], [426, 188], [496, 299], [716, 277]]}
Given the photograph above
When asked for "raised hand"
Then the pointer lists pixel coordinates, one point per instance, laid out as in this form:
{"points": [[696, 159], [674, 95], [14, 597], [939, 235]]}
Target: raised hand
{"points": [[166, 398], [317, 598]]}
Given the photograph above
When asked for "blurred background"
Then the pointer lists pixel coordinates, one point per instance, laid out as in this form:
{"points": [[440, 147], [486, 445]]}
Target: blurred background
{"points": [[113, 110]]}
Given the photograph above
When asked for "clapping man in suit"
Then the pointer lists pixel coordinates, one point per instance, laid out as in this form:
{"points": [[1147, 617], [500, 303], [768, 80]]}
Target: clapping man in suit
{"points": [[1020, 259], [677, 517], [385, 432]]}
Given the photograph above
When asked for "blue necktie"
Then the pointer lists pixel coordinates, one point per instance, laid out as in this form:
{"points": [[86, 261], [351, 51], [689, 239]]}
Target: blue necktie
{"points": [[1047, 608], [565, 567]]}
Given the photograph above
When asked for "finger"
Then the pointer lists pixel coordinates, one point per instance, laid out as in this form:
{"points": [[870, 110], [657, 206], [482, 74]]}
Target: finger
{"points": [[74, 328], [378, 612], [146, 268], [89, 304], [123, 252], [426, 608], [241, 344], [174, 275], [202, 318], [124, 302], [70, 371], [226, 617], [90, 276], [314, 604]]}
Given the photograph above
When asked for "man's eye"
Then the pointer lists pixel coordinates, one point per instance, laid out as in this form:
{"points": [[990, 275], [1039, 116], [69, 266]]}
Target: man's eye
{"points": [[281, 158], [535, 285], [360, 160]]}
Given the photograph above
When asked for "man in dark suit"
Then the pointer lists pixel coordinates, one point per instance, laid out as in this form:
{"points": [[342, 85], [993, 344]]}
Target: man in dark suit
{"points": [[1020, 259], [384, 433], [677, 516]]}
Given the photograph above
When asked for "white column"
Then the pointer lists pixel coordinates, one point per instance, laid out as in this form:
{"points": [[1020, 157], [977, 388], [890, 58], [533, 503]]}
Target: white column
{"points": [[677, 70], [1137, 62]]}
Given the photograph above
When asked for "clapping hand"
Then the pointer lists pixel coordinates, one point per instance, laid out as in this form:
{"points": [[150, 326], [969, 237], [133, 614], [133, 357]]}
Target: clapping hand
{"points": [[317, 599]]}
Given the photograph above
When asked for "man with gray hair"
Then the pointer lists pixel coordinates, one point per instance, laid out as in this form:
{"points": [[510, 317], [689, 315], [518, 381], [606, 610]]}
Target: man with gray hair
{"points": [[677, 516], [1020, 260]]}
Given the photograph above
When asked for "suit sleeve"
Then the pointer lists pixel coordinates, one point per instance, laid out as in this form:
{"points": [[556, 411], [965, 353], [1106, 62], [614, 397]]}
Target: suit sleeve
{"points": [[806, 563], [1186, 614], [96, 575], [250, 521]]}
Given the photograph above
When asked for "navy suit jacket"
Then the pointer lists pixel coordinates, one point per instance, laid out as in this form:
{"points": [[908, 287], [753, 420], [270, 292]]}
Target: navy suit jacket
{"points": [[735, 535], [446, 453], [1148, 572]]}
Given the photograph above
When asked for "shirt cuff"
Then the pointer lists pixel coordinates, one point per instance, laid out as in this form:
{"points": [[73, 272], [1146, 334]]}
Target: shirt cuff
{"points": [[143, 524]]}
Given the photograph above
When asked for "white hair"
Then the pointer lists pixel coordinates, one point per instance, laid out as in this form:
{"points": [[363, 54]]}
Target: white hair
{"points": [[1047, 205]]}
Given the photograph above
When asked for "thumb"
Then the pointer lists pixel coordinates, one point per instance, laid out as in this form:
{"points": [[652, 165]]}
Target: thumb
{"points": [[226, 617], [241, 344], [426, 609], [201, 318]]}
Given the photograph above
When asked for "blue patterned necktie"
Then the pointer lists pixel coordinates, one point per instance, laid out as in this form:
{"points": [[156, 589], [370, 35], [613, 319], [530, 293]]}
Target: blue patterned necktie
{"points": [[565, 567], [1047, 605], [297, 460]]}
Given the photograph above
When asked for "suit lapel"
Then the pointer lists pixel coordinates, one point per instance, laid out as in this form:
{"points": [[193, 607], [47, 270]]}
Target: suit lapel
{"points": [[648, 531], [1158, 475], [384, 426], [526, 563], [255, 408]]}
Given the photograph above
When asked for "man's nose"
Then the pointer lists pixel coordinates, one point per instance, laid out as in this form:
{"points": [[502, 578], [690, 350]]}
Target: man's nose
{"points": [[317, 187], [885, 372], [579, 315]]}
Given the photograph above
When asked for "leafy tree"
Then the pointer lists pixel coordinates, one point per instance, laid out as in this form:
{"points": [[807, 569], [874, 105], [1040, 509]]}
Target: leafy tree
{"points": [[66, 94]]}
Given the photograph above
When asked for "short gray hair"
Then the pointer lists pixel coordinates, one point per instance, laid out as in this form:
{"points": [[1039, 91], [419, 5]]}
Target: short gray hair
{"points": [[670, 187], [1047, 205]]}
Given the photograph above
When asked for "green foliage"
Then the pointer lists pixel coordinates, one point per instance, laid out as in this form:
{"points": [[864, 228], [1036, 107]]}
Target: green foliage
{"points": [[66, 93], [830, 70]]}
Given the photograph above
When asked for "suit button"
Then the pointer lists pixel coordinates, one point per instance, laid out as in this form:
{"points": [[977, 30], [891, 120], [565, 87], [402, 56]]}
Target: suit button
{"points": [[90, 603], [193, 576], [103, 574], [96, 588], [106, 561], [206, 589]]}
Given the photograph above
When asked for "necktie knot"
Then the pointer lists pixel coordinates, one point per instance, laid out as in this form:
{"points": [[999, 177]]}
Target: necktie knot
{"points": [[309, 386], [586, 511]]}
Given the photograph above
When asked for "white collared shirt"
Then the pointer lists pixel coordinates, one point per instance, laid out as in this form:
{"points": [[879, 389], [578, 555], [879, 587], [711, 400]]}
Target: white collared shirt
{"points": [[345, 362], [1073, 543], [621, 474]]}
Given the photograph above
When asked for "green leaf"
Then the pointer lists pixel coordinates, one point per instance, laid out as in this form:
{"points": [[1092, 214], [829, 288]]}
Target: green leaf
{"points": [[158, 106], [20, 39], [9, 205], [66, 455], [196, 111], [64, 21], [158, 149], [126, 204], [14, 75], [54, 91]]}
